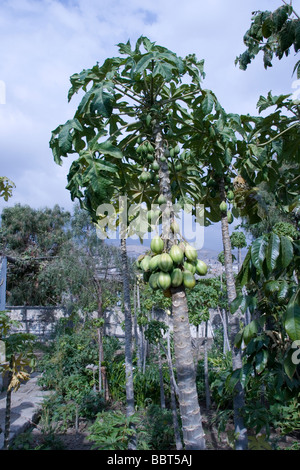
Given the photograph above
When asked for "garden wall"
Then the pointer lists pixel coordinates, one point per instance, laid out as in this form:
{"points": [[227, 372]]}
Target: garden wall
{"points": [[42, 321]]}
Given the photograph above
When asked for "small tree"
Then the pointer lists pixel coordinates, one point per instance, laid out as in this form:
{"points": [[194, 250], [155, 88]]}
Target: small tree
{"points": [[32, 239], [20, 358], [135, 100], [238, 240], [272, 33]]}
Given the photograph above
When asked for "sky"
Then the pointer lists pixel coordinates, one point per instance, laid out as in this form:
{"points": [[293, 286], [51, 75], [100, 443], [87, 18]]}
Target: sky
{"points": [[44, 42]]}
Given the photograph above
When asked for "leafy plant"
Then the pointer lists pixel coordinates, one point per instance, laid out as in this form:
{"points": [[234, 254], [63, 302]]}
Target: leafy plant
{"points": [[272, 33], [159, 432], [112, 430]]}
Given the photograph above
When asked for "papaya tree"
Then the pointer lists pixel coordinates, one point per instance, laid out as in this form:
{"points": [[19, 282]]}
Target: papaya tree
{"points": [[128, 131], [31, 239]]}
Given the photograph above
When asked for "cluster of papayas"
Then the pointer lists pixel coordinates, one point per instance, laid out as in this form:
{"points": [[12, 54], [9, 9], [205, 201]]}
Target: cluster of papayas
{"points": [[224, 206], [177, 159], [165, 270], [146, 155]]}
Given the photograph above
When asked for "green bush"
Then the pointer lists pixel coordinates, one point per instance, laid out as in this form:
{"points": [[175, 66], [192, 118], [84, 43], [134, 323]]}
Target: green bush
{"points": [[91, 404], [159, 431], [70, 355], [65, 373], [153, 427], [146, 386], [112, 430]]}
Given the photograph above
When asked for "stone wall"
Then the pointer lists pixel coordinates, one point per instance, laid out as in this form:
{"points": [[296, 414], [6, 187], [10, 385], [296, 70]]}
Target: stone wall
{"points": [[42, 321]]}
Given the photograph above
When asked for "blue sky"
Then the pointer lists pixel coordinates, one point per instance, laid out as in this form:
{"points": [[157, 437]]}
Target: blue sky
{"points": [[43, 42]]}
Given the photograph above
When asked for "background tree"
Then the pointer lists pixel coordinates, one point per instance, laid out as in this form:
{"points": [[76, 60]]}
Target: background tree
{"points": [[272, 33], [33, 238], [204, 297], [238, 240], [20, 360]]}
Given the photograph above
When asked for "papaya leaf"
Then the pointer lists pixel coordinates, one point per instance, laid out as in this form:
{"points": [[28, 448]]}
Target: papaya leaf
{"points": [[163, 69], [108, 149], [125, 48], [102, 102], [259, 443], [143, 63], [65, 136], [96, 101]]}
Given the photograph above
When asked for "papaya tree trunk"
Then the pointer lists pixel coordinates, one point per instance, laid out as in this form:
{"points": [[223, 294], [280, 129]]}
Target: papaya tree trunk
{"points": [[140, 332], [99, 332], [128, 340], [136, 333], [161, 379], [100, 356], [239, 258], [186, 377], [234, 327], [193, 434], [223, 316], [173, 393], [207, 392]]}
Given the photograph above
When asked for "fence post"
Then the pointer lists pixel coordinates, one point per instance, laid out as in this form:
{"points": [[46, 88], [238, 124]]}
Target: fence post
{"points": [[3, 268]]}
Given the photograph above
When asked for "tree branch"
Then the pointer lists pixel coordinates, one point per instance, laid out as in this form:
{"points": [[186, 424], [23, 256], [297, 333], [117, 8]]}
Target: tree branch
{"points": [[126, 93], [179, 98], [290, 5], [276, 136]]}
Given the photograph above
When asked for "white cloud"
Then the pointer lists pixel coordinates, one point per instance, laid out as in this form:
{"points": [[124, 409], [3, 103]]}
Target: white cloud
{"points": [[43, 42]]}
